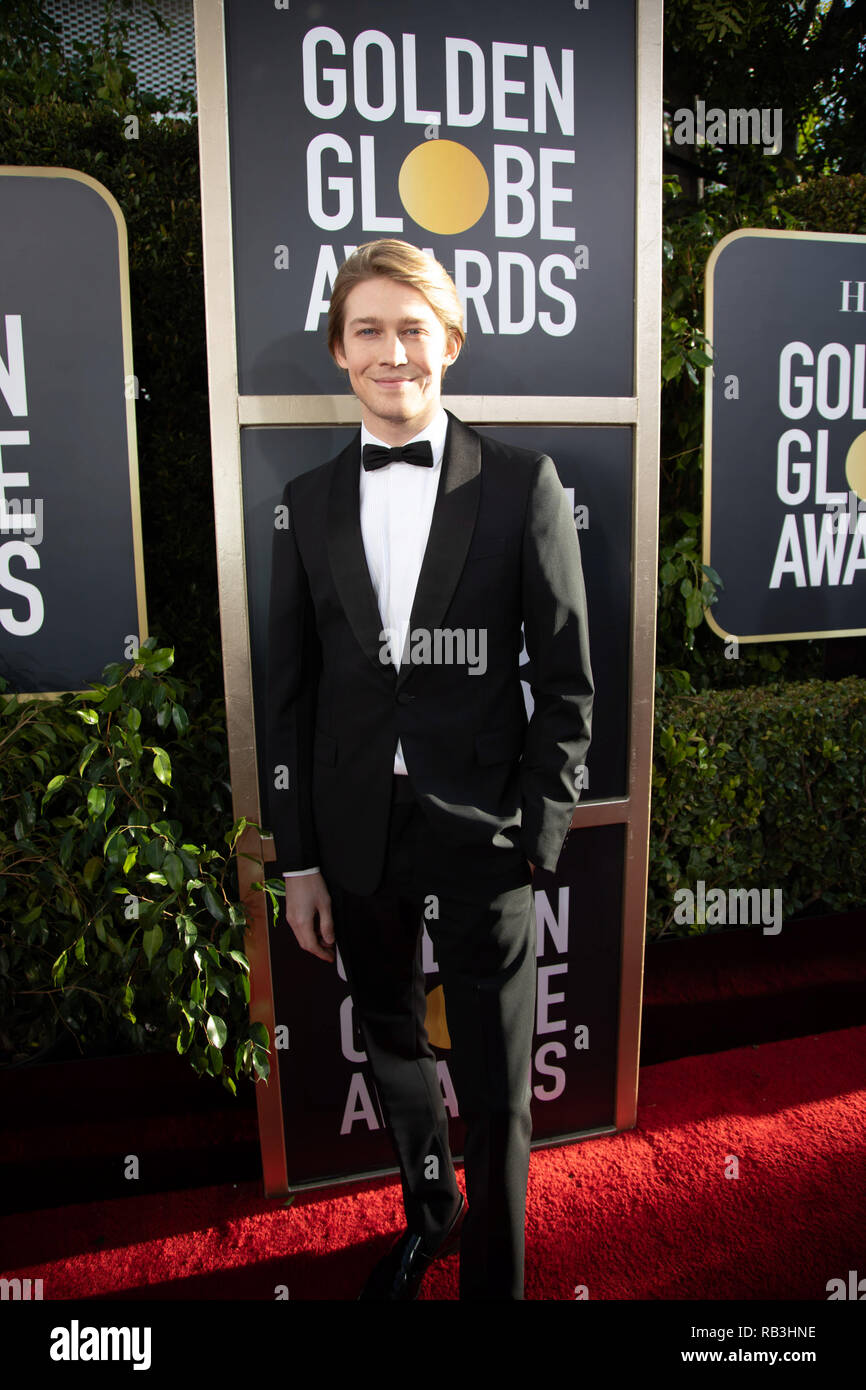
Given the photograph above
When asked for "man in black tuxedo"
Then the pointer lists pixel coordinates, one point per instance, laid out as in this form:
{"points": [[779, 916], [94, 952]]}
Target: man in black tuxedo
{"points": [[415, 789]]}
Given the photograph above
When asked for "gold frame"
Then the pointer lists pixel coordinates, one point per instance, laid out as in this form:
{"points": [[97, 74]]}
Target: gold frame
{"points": [[36, 171], [229, 413], [708, 423]]}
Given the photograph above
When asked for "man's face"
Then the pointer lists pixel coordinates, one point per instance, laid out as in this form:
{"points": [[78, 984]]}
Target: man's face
{"points": [[394, 349]]}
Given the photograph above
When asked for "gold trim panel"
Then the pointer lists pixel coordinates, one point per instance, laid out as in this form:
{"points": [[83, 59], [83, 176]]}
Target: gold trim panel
{"points": [[324, 411]]}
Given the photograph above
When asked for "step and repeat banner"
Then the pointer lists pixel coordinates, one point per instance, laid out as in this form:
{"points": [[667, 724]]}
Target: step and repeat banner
{"points": [[71, 573], [785, 438], [503, 140]]}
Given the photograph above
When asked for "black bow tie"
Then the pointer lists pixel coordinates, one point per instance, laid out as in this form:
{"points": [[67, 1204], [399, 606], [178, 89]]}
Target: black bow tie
{"points": [[375, 456]]}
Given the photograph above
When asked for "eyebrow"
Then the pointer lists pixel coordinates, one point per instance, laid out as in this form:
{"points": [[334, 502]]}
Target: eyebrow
{"points": [[373, 320]]}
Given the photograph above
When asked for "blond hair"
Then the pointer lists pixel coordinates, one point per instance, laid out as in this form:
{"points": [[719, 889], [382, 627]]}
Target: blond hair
{"points": [[398, 261]]}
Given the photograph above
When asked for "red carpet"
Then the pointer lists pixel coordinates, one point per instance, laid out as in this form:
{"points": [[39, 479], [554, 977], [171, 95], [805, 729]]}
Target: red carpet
{"points": [[648, 1214]]}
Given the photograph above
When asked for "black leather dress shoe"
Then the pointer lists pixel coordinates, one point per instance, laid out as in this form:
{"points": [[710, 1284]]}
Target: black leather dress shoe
{"points": [[399, 1273]]}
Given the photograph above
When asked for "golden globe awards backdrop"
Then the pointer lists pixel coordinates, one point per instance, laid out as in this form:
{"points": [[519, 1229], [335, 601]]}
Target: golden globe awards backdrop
{"points": [[785, 435], [522, 148], [485, 138], [71, 574]]}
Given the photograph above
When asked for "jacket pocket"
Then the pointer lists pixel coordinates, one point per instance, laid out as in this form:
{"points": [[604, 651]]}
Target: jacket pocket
{"points": [[498, 746]]}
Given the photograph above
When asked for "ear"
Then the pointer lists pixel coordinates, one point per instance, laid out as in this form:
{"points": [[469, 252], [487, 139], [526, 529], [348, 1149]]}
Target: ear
{"points": [[339, 356], [452, 349]]}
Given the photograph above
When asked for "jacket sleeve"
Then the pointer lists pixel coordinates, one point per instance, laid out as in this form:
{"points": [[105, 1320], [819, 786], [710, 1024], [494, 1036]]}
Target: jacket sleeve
{"points": [[558, 671], [294, 664]]}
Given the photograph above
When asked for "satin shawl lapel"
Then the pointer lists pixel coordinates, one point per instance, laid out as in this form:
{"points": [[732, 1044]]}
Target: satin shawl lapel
{"points": [[451, 529]]}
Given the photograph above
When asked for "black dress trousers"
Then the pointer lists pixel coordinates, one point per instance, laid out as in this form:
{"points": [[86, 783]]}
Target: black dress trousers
{"points": [[479, 910]]}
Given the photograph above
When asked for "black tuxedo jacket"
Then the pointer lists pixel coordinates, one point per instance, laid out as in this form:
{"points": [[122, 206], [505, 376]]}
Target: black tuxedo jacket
{"points": [[502, 550]]}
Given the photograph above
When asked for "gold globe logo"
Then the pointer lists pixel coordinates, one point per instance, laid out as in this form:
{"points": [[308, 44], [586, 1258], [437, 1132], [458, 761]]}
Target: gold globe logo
{"points": [[855, 465], [435, 1021], [443, 186]]}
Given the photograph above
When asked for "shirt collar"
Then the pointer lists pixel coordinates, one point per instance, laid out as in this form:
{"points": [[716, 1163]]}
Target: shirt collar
{"points": [[435, 432]]}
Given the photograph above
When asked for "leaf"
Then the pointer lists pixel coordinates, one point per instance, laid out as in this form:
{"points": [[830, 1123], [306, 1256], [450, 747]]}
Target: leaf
{"points": [[173, 870], [88, 716], [58, 970], [694, 610], [157, 659], [213, 905], [189, 929], [154, 853], [216, 1030], [90, 870], [190, 865], [53, 786], [162, 765], [96, 801], [151, 941]]}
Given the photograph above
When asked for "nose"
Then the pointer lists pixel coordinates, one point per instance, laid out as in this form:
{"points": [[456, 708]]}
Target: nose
{"points": [[393, 351]]}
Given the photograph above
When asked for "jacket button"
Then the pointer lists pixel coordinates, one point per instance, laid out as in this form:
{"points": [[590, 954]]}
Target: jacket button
{"points": [[403, 698]]}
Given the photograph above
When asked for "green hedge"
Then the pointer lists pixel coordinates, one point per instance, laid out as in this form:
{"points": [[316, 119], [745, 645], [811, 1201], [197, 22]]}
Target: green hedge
{"points": [[120, 925], [760, 788], [834, 203]]}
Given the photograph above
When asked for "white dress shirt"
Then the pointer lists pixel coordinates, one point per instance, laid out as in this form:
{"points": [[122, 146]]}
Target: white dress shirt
{"points": [[397, 504]]}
